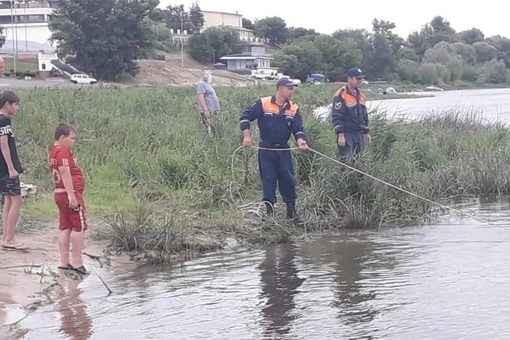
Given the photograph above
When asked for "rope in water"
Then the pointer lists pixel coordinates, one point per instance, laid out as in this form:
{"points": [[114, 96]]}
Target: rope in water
{"points": [[467, 212]]}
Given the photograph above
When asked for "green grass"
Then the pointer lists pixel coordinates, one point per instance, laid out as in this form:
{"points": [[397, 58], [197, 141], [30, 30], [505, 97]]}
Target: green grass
{"points": [[21, 66], [163, 185]]}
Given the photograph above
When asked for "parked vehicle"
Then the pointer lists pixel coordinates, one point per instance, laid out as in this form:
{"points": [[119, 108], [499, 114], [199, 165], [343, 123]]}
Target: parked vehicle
{"points": [[82, 79], [316, 78]]}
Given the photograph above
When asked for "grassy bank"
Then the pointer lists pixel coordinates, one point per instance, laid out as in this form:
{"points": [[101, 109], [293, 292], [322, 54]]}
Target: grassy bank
{"points": [[162, 185]]}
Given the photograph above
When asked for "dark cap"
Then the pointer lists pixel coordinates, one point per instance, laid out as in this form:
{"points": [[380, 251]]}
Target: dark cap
{"points": [[285, 82], [355, 73]]}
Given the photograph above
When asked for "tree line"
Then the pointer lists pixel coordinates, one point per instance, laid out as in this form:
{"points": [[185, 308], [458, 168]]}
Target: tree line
{"points": [[106, 37]]}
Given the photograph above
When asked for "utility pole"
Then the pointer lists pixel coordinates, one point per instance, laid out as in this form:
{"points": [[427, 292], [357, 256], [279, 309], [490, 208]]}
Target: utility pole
{"points": [[12, 33], [182, 46]]}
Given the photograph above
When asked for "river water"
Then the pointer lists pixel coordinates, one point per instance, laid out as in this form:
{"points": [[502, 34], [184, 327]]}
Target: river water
{"points": [[447, 280]]}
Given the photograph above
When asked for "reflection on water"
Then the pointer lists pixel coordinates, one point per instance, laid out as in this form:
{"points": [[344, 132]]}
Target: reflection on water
{"points": [[75, 322], [445, 281], [280, 282]]}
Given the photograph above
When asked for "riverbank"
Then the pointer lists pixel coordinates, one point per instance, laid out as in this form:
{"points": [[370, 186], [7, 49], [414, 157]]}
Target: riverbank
{"points": [[30, 279], [166, 189]]}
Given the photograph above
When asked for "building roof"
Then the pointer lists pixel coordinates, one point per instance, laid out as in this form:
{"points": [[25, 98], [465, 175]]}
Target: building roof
{"points": [[219, 12], [245, 57]]}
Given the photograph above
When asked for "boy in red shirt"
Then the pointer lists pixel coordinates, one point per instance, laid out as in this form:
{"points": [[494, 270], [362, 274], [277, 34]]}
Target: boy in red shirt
{"points": [[69, 186]]}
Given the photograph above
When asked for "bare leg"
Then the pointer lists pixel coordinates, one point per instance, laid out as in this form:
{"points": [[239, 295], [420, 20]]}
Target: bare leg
{"points": [[77, 241], [64, 238], [5, 214], [12, 220]]}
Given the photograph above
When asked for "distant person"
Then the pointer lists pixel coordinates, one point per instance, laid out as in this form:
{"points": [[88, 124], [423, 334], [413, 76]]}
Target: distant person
{"points": [[350, 117], [69, 187], [10, 169], [208, 102], [277, 117], [2, 67]]}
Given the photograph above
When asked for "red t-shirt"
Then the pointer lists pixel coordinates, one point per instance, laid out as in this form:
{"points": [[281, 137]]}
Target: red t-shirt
{"points": [[62, 156]]}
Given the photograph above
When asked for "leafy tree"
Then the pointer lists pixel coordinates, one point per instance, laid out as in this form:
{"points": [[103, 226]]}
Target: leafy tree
{"points": [[248, 24], [299, 32], [200, 49], [337, 56], [385, 48], [471, 36], [214, 43], [408, 70], [493, 72], [176, 17], [484, 52], [274, 29], [444, 54], [104, 37], [466, 52], [309, 59]]}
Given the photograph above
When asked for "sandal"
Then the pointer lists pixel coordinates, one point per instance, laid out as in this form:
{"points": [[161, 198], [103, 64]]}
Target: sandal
{"points": [[81, 269], [67, 266]]}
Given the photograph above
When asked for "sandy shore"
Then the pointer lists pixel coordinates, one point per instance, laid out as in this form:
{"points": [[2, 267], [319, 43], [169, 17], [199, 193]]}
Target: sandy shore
{"points": [[28, 278]]}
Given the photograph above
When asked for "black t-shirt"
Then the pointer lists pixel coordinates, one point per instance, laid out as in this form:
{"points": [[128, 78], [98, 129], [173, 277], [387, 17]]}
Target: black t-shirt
{"points": [[6, 130]]}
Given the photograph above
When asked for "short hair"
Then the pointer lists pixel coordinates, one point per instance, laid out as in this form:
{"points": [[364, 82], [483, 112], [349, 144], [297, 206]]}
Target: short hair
{"points": [[8, 97], [63, 129]]}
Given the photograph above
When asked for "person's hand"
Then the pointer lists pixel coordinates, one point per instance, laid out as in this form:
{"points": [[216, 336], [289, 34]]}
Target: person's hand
{"points": [[247, 142], [72, 202], [13, 173], [207, 114], [302, 144], [341, 140], [367, 138]]}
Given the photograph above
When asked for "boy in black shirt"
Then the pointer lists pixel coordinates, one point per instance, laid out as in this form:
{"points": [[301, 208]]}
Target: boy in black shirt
{"points": [[10, 168]]}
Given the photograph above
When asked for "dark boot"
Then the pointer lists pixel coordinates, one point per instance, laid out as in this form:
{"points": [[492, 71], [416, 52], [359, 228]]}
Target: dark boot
{"points": [[269, 209], [292, 214]]}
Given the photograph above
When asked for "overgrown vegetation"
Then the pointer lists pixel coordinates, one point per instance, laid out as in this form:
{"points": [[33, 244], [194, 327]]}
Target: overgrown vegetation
{"points": [[164, 185]]}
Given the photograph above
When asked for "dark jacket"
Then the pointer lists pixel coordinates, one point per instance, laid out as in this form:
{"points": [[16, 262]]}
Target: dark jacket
{"points": [[349, 113], [275, 123]]}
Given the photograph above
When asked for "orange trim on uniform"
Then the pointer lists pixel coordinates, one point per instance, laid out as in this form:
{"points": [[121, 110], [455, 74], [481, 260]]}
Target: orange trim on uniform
{"points": [[270, 107], [348, 98]]}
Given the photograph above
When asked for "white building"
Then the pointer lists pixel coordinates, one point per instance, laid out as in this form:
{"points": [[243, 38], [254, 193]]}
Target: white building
{"points": [[232, 20], [26, 21]]}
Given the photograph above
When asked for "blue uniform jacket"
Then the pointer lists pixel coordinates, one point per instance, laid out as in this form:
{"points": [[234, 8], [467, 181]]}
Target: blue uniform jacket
{"points": [[349, 113], [275, 123]]}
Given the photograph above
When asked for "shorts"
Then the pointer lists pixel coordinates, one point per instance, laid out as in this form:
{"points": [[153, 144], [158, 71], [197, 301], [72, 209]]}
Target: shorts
{"points": [[71, 219], [10, 186]]}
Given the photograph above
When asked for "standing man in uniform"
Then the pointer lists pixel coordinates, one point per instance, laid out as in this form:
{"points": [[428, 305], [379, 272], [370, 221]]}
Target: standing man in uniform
{"points": [[208, 102], [350, 117], [278, 117]]}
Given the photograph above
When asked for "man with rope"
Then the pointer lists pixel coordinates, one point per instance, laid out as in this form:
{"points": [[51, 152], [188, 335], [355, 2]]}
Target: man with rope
{"points": [[277, 117]]}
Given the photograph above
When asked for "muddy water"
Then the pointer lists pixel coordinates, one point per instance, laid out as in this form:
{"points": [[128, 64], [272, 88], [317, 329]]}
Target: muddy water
{"points": [[449, 280]]}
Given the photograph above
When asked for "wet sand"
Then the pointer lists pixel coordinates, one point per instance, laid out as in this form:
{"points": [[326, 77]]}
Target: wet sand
{"points": [[23, 287]]}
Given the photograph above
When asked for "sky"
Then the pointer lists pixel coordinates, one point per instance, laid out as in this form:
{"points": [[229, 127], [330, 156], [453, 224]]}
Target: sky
{"points": [[408, 16]]}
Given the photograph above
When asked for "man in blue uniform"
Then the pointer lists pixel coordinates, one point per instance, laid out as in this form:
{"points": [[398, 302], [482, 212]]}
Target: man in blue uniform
{"points": [[278, 117], [350, 117]]}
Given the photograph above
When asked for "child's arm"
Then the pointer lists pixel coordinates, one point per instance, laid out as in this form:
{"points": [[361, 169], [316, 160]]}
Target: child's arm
{"points": [[65, 174], [4, 147]]}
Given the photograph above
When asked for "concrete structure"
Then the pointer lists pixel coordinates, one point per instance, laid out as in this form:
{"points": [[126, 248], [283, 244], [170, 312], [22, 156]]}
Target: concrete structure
{"points": [[231, 20], [26, 20], [254, 57]]}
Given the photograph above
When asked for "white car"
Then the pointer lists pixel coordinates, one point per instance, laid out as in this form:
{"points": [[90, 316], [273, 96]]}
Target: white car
{"points": [[82, 79]]}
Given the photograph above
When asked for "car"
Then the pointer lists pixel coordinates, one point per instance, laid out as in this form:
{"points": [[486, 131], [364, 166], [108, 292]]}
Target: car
{"points": [[82, 79]]}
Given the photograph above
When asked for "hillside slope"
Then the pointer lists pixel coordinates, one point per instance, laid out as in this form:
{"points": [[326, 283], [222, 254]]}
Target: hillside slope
{"points": [[171, 72]]}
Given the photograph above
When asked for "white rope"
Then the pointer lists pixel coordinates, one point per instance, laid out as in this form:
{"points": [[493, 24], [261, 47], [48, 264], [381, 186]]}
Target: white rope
{"points": [[471, 213]]}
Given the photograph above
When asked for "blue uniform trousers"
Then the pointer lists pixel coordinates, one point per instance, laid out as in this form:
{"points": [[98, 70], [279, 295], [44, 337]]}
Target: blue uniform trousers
{"points": [[354, 145], [276, 167]]}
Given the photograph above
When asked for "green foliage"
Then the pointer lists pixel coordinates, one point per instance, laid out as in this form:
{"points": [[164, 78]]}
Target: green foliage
{"points": [[214, 43], [177, 18], [103, 38], [274, 29]]}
